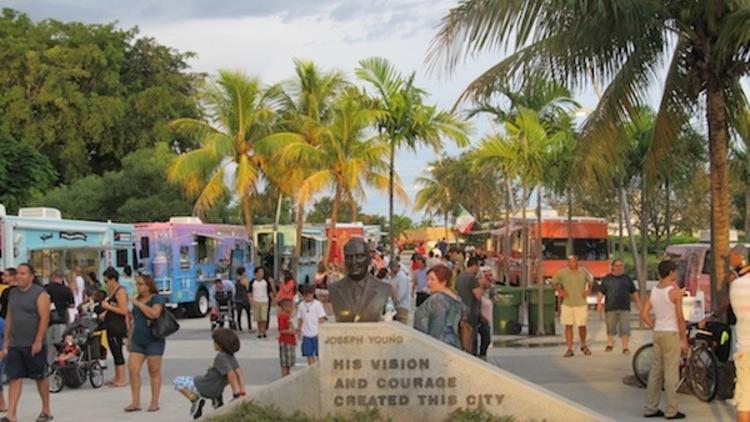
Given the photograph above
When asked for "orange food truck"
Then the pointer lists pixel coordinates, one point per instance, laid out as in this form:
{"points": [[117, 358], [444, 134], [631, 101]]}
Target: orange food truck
{"points": [[590, 245]]}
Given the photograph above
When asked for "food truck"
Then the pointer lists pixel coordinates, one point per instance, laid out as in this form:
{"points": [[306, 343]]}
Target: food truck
{"points": [[313, 248], [41, 236], [185, 256], [590, 244]]}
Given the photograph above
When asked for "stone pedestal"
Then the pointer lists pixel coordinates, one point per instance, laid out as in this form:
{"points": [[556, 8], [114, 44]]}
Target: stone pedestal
{"points": [[408, 376]]}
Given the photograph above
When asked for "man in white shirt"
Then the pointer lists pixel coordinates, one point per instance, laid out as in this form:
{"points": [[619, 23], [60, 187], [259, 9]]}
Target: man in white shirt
{"points": [[400, 292], [739, 296], [260, 295]]}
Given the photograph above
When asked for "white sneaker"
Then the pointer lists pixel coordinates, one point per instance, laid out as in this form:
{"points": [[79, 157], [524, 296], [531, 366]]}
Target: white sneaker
{"points": [[196, 408], [731, 401]]}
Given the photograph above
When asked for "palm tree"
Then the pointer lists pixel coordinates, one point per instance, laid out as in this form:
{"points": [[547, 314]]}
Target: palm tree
{"points": [[239, 115], [407, 120], [524, 152], [345, 160], [435, 197], [306, 110], [623, 43]]}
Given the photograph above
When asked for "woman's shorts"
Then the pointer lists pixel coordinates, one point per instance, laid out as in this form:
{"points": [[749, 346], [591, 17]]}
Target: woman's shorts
{"points": [[287, 355], [260, 311], [155, 348], [181, 383]]}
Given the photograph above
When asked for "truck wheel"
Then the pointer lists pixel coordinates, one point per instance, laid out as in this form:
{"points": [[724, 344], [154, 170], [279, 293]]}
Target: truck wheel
{"points": [[200, 307]]}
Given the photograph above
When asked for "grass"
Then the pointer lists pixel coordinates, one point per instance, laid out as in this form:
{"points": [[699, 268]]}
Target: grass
{"points": [[252, 412]]}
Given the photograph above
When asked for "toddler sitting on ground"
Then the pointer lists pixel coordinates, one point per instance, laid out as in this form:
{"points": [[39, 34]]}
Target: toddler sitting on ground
{"points": [[224, 370]]}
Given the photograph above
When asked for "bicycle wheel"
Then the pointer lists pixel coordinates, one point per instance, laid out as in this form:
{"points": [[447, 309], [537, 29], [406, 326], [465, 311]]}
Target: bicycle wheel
{"points": [[703, 373], [642, 362]]}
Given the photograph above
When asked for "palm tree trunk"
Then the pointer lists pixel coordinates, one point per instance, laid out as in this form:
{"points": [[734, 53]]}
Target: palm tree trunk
{"points": [[506, 238], [747, 212], [355, 214], [668, 210], [716, 116], [446, 227], [625, 207], [334, 218], [247, 217], [540, 264], [298, 239], [569, 245], [644, 226], [391, 168], [621, 241], [276, 246], [525, 240]]}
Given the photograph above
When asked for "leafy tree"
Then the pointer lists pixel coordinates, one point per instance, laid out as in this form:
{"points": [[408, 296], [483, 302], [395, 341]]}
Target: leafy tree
{"points": [[87, 95], [622, 44], [24, 173], [137, 193], [407, 121], [322, 209]]}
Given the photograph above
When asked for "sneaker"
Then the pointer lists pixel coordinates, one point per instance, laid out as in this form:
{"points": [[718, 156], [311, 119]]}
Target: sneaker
{"points": [[217, 402], [196, 408], [731, 401], [678, 415]]}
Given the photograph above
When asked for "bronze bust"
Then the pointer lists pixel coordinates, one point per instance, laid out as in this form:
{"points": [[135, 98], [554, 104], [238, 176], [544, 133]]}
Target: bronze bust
{"points": [[359, 296]]}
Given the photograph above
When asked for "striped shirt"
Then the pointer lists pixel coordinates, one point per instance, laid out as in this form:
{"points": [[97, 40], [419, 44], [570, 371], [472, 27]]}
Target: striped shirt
{"points": [[739, 296]]}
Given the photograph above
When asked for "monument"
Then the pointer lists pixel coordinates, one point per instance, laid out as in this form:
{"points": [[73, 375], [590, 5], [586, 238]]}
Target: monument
{"points": [[358, 297], [408, 376]]}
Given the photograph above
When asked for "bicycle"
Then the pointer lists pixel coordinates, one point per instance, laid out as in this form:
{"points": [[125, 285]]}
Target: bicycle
{"points": [[699, 367]]}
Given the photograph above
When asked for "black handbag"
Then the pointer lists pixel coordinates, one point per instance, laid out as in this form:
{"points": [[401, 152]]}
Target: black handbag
{"points": [[165, 325]]}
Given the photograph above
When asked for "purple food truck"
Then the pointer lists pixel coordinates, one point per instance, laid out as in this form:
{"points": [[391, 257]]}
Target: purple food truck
{"points": [[185, 256]]}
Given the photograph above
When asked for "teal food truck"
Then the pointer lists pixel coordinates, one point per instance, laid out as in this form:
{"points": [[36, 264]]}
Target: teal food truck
{"points": [[43, 238]]}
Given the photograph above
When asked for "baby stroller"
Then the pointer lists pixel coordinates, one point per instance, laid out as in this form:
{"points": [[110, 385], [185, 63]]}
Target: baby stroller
{"points": [[86, 365], [223, 311]]}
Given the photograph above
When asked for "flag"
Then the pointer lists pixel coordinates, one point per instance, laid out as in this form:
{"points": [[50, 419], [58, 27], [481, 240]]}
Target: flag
{"points": [[464, 221]]}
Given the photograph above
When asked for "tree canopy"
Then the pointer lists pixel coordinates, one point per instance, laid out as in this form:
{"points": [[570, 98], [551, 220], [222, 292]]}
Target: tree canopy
{"points": [[87, 95]]}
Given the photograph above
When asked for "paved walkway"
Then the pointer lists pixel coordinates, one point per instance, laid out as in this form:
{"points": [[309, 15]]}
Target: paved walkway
{"points": [[594, 381]]}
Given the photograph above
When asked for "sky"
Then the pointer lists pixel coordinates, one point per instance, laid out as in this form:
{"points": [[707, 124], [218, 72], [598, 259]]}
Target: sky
{"points": [[262, 37]]}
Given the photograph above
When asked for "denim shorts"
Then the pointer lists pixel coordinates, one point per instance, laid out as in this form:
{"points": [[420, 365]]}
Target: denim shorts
{"points": [[310, 346], [181, 383], [155, 348]]}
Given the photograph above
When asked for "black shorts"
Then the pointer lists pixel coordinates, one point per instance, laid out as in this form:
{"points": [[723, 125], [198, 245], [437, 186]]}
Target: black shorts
{"points": [[19, 363]]}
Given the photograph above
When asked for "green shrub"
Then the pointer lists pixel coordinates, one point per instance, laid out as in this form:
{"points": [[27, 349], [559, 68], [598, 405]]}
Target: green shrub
{"points": [[251, 412]]}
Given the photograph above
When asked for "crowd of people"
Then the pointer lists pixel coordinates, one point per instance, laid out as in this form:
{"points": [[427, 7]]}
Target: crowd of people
{"points": [[445, 294]]}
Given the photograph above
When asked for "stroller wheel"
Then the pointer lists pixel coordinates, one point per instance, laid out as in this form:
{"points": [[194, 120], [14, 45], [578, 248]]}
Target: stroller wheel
{"points": [[96, 375], [55, 381]]}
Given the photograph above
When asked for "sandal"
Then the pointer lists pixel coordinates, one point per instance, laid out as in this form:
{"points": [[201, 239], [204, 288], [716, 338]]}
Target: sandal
{"points": [[5, 419], [568, 354], [153, 409], [585, 350], [625, 351], [44, 417], [132, 409], [609, 348]]}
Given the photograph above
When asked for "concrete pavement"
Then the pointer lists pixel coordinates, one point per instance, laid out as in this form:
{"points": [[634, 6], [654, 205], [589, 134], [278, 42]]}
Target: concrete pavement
{"points": [[593, 381]]}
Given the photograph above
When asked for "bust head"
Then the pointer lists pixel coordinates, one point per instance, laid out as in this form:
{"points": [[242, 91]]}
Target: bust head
{"points": [[356, 258]]}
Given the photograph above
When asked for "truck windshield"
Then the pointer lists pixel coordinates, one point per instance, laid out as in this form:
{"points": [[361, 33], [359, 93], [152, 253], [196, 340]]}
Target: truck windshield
{"points": [[583, 249]]}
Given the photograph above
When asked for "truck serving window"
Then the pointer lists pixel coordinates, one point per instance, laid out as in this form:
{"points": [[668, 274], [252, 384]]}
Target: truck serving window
{"points": [[145, 252], [583, 249], [122, 258]]}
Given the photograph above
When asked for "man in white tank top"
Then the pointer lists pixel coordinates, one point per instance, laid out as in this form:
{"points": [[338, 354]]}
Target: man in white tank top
{"points": [[670, 337], [739, 296]]}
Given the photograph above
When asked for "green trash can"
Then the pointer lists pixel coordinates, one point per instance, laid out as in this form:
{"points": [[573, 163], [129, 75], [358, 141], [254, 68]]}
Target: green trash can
{"points": [[505, 315], [549, 309]]}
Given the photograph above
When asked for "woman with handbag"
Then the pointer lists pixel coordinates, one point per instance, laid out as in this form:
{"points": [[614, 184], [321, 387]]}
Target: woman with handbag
{"points": [[144, 346], [442, 314]]}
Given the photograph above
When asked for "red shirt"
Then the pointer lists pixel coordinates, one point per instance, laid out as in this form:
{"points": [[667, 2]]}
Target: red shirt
{"points": [[287, 290], [284, 322]]}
